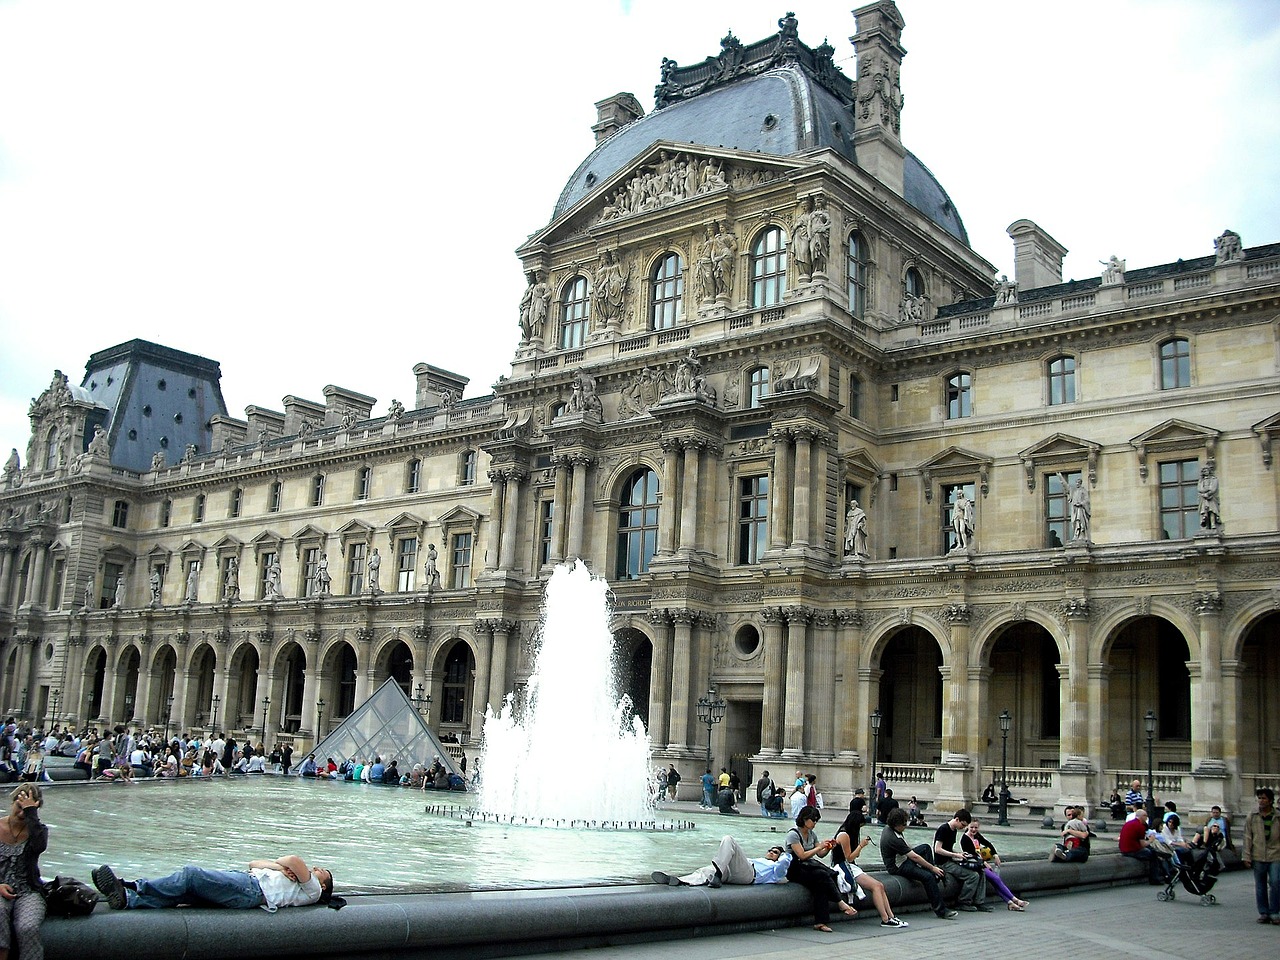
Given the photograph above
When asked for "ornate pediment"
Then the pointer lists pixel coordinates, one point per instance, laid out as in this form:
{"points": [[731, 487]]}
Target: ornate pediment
{"points": [[1060, 450], [955, 463], [228, 543], [1265, 431], [459, 515], [405, 521], [310, 532], [1173, 436]]}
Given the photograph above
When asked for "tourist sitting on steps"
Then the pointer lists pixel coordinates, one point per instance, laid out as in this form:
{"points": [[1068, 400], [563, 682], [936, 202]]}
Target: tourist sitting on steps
{"points": [[269, 884]]}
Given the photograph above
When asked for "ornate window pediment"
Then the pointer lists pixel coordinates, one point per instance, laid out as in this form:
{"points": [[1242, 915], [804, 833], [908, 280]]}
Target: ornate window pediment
{"points": [[267, 542], [1173, 436], [954, 464], [1267, 430], [1060, 450], [354, 531], [861, 469]]}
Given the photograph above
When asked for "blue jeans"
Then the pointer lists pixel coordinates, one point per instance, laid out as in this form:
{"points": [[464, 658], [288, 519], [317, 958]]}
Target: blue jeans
{"points": [[706, 798], [1265, 873], [926, 878], [198, 886]]}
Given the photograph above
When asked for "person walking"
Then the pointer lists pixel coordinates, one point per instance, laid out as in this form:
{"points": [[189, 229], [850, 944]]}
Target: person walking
{"points": [[764, 792], [1261, 851]]}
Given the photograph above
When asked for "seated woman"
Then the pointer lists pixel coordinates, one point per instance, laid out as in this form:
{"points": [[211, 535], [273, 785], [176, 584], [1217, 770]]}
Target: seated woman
{"points": [[808, 871], [257, 764], [1171, 833], [974, 843], [843, 856], [22, 839], [989, 794], [914, 817]]}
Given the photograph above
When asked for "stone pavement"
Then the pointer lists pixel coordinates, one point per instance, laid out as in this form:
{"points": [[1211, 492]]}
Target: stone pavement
{"points": [[1118, 923]]}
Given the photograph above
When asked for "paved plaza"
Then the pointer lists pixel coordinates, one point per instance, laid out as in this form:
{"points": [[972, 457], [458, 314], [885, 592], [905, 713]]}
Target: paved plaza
{"points": [[1118, 923]]}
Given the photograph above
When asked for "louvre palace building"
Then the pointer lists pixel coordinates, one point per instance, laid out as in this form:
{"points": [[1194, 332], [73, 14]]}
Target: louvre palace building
{"points": [[830, 464]]}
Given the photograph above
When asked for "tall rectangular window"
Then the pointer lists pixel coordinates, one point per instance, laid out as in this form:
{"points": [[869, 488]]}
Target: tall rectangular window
{"points": [[317, 490], [273, 497], [55, 587], [107, 589], [959, 396], [546, 525], [197, 510], [120, 514], [166, 513], [406, 560], [237, 502], [753, 518], [1062, 380], [1179, 501], [1175, 364], [310, 560], [364, 480], [1057, 507], [468, 476], [460, 571], [413, 476], [855, 397], [355, 568]]}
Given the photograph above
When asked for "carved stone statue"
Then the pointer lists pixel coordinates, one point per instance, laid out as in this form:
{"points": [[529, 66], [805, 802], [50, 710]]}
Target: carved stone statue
{"points": [[855, 531], [911, 309], [1081, 512], [1227, 248], [431, 574], [323, 580], [687, 371], [879, 93], [189, 454], [584, 398], [962, 521], [395, 410], [118, 600], [193, 582], [534, 306], [155, 587], [88, 595], [158, 461], [272, 591], [1112, 271], [1210, 509], [610, 287], [231, 584], [13, 471], [811, 237], [713, 271], [349, 419], [375, 568], [1006, 291]]}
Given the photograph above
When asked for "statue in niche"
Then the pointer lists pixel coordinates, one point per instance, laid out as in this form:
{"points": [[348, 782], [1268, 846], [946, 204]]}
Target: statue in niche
{"points": [[856, 543], [431, 573], [1207, 489], [610, 287], [118, 600], [88, 595], [1081, 509], [1006, 291], [395, 410], [962, 521], [1227, 248], [155, 586], [323, 580], [535, 305], [715, 268], [99, 448], [193, 582], [158, 461], [1112, 270], [811, 236], [688, 370], [231, 581], [13, 470], [272, 586], [375, 568], [911, 309]]}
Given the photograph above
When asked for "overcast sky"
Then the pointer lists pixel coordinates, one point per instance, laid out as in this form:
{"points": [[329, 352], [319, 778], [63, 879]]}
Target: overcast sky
{"points": [[330, 192]]}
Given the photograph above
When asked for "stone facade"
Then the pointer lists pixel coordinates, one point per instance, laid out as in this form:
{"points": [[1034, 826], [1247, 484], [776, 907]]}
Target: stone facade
{"points": [[1071, 509]]}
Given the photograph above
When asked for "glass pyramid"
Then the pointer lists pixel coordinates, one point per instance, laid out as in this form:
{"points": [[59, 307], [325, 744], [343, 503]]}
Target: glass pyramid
{"points": [[388, 726]]}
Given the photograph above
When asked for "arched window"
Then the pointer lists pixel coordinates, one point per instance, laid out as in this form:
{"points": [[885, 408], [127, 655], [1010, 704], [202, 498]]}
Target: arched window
{"points": [[857, 275], [1175, 364], [637, 524], [914, 282], [457, 670], [575, 313], [769, 268], [667, 292], [959, 396], [1062, 380], [757, 386]]}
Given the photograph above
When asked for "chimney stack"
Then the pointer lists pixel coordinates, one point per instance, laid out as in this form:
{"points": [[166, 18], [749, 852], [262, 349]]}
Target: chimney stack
{"points": [[1037, 257]]}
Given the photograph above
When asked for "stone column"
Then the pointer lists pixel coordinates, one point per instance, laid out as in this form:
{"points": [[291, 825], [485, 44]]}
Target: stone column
{"points": [[181, 682], [107, 708], [869, 695], [1074, 690], [40, 561], [220, 683], [848, 698], [780, 502], [775, 652], [560, 510], [671, 447], [142, 697], [1099, 682], [660, 676], [804, 465], [271, 722], [311, 680], [956, 732], [502, 633], [510, 519], [497, 487], [793, 717], [1231, 670], [689, 499], [483, 679], [578, 507], [681, 663], [1207, 689], [820, 700], [6, 571]]}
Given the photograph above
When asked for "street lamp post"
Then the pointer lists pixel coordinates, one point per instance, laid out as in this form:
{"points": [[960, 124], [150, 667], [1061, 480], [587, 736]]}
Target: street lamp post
{"points": [[319, 718], [24, 702], [266, 702], [1150, 721], [421, 700], [1006, 722], [711, 711], [54, 696], [128, 706], [213, 725], [168, 715], [875, 760]]}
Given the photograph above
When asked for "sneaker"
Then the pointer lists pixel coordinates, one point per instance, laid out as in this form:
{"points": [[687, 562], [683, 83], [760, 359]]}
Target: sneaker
{"points": [[714, 881], [947, 915], [657, 876], [967, 907], [110, 886], [893, 922], [982, 908]]}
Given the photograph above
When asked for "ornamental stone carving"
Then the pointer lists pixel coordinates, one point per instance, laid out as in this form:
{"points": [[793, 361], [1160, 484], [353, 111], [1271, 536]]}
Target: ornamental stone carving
{"points": [[956, 613], [667, 180], [1208, 602], [364, 634], [1074, 608], [535, 307], [1227, 248]]}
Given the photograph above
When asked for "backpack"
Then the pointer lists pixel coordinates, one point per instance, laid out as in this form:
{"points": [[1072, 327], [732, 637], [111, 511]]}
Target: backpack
{"points": [[68, 897]]}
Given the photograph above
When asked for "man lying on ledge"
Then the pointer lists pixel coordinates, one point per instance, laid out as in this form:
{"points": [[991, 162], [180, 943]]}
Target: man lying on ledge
{"points": [[732, 865], [269, 884]]}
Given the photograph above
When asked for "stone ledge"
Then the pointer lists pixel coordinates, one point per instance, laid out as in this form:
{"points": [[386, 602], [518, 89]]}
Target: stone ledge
{"points": [[464, 926]]}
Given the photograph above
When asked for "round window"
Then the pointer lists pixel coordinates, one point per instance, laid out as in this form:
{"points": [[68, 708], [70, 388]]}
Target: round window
{"points": [[48, 651], [746, 641]]}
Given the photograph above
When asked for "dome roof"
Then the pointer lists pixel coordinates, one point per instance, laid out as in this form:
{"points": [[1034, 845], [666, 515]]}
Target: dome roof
{"points": [[783, 110]]}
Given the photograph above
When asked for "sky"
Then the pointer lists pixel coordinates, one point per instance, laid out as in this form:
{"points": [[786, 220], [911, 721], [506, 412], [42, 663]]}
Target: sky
{"points": [[328, 192]]}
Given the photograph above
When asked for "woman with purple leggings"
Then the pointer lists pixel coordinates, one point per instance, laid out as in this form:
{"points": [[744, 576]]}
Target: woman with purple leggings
{"points": [[975, 844]]}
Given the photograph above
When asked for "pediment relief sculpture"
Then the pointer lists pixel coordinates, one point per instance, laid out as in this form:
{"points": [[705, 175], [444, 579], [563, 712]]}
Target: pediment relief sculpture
{"points": [[676, 176]]}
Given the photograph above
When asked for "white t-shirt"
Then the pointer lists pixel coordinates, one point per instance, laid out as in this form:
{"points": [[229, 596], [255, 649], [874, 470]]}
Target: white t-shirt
{"points": [[280, 891]]}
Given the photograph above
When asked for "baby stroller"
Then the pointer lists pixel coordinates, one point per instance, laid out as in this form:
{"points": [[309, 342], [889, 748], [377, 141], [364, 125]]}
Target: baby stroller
{"points": [[1198, 871]]}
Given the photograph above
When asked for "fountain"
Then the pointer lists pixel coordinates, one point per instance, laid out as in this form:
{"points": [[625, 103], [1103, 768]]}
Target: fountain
{"points": [[573, 754]]}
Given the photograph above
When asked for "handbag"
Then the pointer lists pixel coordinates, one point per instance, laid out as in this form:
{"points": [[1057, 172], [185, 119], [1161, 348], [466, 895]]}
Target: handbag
{"points": [[69, 897]]}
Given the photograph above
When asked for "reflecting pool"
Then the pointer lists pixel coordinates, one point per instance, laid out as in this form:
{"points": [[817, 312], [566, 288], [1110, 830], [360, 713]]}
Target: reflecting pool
{"points": [[378, 839]]}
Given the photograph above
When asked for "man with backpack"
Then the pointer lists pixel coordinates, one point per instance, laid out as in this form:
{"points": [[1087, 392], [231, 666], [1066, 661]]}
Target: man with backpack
{"points": [[764, 792]]}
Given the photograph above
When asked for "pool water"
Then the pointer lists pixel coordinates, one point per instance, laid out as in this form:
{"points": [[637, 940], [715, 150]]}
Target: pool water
{"points": [[379, 839]]}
